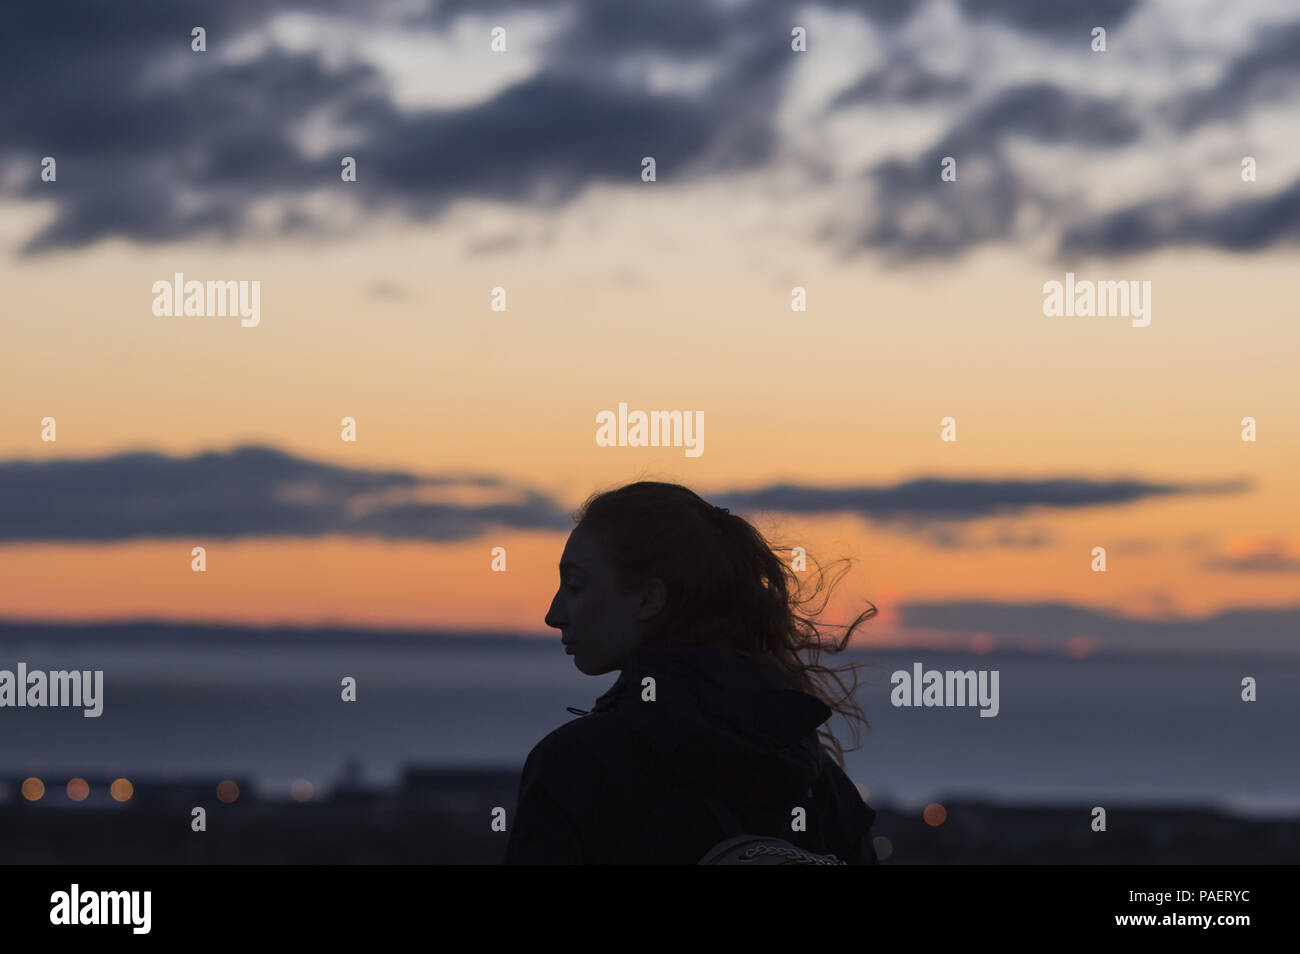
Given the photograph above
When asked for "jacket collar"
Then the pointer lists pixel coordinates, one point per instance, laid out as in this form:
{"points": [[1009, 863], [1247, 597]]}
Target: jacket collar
{"points": [[730, 721], [722, 667]]}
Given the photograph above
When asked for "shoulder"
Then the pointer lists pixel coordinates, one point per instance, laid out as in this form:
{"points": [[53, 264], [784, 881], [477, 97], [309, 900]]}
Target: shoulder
{"points": [[577, 756], [577, 737]]}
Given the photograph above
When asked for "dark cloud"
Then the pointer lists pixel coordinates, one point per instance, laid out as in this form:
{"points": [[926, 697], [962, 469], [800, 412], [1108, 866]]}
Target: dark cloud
{"points": [[547, 137], [901, 78], [1270, 69], [682, 29], [249, 491], [1228, 632], [544, 139], [913, 214], [155, 160], [189, 157], [185, 159], [1058, 19], [259, 491], [896, 83], [1045, 113], [932, 499], [910, 214], [1242, 226]]}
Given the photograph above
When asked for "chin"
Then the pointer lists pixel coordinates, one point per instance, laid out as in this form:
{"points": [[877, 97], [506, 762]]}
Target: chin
{"points": [[589, 669]]}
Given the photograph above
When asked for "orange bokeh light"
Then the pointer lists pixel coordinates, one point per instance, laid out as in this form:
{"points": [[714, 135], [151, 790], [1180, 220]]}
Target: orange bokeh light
{"points": [[121, 790], [935, 814]]}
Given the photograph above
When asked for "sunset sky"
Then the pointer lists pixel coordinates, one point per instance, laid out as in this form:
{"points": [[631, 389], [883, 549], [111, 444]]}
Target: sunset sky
{"points": [[522, 170]]}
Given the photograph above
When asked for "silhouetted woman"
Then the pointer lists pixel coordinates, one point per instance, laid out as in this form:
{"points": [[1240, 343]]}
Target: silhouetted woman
{"points": [[712, 728]]}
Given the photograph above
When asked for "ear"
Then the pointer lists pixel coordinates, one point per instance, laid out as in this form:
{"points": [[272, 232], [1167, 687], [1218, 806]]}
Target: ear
{"points": [[653, 598]]}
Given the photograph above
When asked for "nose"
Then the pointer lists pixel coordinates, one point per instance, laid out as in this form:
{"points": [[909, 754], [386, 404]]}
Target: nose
{"points": [[554, 618]]}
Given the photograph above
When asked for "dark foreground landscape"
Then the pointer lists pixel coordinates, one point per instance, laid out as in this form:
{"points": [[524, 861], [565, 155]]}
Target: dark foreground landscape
{"points": [[443, 816]]}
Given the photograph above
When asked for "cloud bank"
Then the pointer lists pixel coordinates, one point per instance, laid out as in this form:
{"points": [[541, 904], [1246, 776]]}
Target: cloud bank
{"points": [[1059, 148], [262, 492]]}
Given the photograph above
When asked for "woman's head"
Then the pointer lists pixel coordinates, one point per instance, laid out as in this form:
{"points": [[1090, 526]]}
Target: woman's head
{"points": [[653, 563], [601, 622]]}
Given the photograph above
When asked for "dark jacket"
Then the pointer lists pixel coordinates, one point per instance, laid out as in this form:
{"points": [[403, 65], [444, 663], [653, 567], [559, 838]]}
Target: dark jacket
{"points": [[629, 782]]}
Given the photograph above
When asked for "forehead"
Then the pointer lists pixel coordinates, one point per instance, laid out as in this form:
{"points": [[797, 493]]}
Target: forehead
{"points": [[580, 552]]}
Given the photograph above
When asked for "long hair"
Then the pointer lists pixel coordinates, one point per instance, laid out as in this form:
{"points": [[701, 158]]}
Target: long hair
{"points": [[726, 586]]}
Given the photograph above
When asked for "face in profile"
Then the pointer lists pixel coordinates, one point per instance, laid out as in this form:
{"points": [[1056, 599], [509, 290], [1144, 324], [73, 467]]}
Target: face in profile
{"points": [[598, 627]]}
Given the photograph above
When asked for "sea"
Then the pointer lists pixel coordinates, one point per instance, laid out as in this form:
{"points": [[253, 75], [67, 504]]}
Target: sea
{"points": [[1098, 730]]}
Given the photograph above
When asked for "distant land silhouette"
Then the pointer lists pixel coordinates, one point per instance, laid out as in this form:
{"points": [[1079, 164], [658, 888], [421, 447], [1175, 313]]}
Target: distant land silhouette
{"points": [[1254, 633]]}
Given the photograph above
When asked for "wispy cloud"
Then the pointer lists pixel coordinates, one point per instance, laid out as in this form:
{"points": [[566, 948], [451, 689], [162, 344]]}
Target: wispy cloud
{"points": [[1066, 627], [1004, 537], [385, 290], [1271, 555], [929, 499]]}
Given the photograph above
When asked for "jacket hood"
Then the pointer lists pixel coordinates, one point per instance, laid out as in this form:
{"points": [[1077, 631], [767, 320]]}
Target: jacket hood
{"points": [[728, 724]]}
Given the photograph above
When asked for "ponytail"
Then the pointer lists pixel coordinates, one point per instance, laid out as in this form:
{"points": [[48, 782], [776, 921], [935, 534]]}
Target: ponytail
{"points": [[727, 586]]}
